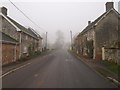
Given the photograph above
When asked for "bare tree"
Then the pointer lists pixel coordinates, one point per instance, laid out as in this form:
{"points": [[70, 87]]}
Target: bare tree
{"points": [[59, 43]]}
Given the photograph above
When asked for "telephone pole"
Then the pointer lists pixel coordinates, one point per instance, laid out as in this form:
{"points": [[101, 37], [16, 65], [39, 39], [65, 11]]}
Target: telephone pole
{"points": [[71, 38], [46, 41]]}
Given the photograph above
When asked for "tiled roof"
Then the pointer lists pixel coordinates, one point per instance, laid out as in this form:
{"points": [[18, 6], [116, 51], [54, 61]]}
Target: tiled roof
{"points": [[36, 33], [92, 24], [4, 16], [96, 21], [7, 39], [40, 37], [23, 29]]}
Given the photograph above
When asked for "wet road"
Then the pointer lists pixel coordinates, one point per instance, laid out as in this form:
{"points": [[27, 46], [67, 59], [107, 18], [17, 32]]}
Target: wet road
{"points": [[59, 69]]}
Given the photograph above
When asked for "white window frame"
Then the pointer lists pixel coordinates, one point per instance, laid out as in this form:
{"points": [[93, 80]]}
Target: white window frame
{"points": [[24, 49]]}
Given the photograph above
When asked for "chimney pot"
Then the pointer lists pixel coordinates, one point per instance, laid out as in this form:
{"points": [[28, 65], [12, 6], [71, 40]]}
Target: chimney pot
{"points": [[89, 22], [3, 10]]}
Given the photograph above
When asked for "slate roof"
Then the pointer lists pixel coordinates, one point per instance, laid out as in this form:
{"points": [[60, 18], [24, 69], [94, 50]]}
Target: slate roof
{"points": [[40, 37], [23, 29], [7, 39], [33, 32], [94, 22], [37, 34]]}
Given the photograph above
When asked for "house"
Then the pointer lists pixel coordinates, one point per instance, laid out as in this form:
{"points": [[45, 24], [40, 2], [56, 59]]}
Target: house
{"points": [[100, 39], [9, 39], [29, 41], [75, 43], [6, 26], [38, 46]]}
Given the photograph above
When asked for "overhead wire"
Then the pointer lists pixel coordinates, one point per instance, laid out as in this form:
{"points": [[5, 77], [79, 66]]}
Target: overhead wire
{"points": [[26, 16]]}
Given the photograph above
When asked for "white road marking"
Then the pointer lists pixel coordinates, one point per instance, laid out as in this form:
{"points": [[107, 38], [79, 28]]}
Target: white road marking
{"points": [[114, 80], [14, 70]]}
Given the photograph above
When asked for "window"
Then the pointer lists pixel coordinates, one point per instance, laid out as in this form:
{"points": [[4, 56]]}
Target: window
{"points": [[26, 37], [25, 49]]}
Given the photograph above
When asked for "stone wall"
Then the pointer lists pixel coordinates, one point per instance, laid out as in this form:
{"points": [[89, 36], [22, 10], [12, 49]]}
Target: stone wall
{"points": [[9, 29], [28, 45], [106, 34], [112, 55], [0, 23]]}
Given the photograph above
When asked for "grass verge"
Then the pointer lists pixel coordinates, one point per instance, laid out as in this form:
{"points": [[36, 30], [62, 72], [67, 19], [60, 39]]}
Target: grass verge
{"points": [[112, 66]]}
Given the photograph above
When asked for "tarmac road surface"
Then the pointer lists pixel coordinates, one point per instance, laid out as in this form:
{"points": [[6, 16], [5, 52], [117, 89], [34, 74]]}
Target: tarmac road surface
{"points": [[59, 69]]}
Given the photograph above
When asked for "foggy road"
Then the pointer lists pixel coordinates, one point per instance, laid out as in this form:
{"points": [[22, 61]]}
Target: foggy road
{"points": [[59, 69]]}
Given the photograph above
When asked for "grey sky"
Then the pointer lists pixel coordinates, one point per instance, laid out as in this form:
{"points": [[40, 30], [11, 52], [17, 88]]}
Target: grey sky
{"points": [[56, 15]]}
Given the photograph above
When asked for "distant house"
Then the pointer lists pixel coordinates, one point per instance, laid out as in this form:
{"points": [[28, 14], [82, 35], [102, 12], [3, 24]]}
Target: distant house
{"points": [[29, 41], [40, 43], [100, 39]]}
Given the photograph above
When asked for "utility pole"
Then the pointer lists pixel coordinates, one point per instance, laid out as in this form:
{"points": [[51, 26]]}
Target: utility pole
{"points": [[71, 38], [46, 41]]}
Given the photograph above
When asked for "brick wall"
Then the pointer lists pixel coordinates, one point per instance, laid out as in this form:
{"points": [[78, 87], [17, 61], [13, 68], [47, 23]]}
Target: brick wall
{"points": [[9, 52], [0, 53]]}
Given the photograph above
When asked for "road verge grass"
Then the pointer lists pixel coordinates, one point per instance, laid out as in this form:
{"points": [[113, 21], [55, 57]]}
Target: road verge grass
{"points": [[115, 68]]}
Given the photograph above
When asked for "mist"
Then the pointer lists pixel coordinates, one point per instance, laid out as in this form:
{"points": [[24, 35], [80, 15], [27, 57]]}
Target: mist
{"points": [[53, 16]]}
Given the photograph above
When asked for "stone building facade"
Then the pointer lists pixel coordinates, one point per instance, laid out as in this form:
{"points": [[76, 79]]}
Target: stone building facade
{"points": [[27, 40], [7, 26], [9, 39], [106, 35], [100, 39]]}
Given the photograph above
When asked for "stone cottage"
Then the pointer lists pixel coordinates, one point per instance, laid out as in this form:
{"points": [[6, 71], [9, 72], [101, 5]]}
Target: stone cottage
{"points": [[100, 39], [28, 41], [9, 39]]}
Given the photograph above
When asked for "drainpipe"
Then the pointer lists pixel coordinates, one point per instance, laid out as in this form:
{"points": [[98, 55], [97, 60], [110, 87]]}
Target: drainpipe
{"points": [[15, 52], [94, 42], [103, 53], [20, 45]]}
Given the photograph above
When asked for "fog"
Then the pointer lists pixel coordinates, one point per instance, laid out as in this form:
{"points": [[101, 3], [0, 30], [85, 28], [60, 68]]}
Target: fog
{"points": [[60, 40], [54, 15]]}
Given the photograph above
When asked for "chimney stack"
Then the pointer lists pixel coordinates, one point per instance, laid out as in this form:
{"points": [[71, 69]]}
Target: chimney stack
{"points": [[3, 10], [109, 5], [89, 22], [119, 6]]}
